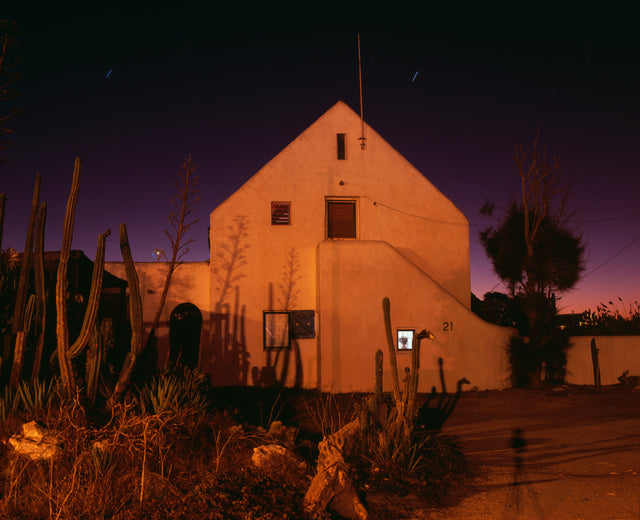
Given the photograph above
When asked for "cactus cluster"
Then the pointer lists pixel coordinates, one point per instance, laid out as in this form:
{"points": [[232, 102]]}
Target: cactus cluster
{"points": [[404, 400], [29, 316], [387, 425], [30, 309], [65, 351]]}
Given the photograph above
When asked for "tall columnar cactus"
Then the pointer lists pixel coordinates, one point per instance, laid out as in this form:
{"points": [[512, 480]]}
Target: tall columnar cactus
{"points": [[91, 311], [65, 351], [95, 355], [21, 322], [21, 293], [412, 386], [405, 402], [375, 411], [67, 377], [21, 342], [135, 317], [386, 310], [379, 371], [387, 428], [41, 298]]}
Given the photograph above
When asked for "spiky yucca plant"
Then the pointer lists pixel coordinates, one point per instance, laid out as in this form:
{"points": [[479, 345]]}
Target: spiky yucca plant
{"points": [[36, 395], [387, 424]]}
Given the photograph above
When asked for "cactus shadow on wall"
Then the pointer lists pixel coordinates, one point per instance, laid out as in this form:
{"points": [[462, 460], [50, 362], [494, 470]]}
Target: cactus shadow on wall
{"points": [[229, 360], [279, 361]]}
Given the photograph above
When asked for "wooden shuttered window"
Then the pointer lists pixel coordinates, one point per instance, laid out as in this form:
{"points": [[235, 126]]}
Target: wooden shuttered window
{"points": [[341, 219], [280, 213]]}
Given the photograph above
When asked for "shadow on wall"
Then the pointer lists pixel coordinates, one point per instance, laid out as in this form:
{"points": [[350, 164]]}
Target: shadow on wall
{"points": [[276, 369], [229, 359], [279, 361], [228, 363]]}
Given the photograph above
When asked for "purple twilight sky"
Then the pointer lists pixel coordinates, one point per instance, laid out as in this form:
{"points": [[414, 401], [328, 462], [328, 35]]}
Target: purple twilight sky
{"points": [[133, 90]]}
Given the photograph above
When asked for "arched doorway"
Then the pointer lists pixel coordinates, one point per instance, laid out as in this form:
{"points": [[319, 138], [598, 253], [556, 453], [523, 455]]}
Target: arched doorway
{"points": [[185, 325]]}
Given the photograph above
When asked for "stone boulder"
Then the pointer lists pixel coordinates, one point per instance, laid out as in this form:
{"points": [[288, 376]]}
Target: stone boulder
{"points": [[35, 442], [275, 455]]}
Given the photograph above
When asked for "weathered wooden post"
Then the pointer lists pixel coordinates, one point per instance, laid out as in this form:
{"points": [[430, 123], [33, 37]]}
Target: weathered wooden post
{"points": [[596, 363]]}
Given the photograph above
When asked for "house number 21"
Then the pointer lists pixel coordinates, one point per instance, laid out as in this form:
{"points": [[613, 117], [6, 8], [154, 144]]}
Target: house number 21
{"points": [[447, 326]]}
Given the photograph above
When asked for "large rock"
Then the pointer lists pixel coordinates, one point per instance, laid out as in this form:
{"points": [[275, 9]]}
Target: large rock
{"points": [[332, 487], [276, 455], [36, 442]]}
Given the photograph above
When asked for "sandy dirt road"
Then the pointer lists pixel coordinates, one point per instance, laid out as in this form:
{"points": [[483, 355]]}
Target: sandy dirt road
{"points": [[577, 457]]}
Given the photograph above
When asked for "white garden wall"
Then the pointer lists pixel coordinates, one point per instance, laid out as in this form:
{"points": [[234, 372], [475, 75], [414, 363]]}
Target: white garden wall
{"points": [[617, 354]]}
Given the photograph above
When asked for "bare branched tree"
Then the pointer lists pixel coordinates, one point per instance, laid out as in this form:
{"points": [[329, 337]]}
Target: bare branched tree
{"points": [[544, 194], [181, 221]]}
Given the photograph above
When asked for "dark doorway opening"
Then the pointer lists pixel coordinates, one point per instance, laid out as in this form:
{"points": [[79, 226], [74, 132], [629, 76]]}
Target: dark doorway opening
{"points": [[185, 325]]}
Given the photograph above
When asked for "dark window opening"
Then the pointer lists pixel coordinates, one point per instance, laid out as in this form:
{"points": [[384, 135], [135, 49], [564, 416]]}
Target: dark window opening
{"points": [[280, 213], [342, 146], [341, 219], [185, 325]]}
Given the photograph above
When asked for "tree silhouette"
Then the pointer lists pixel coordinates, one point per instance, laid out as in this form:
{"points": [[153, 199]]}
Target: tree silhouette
{"points": [[552, 263], [500, 309], [181, 222], [532, 248]]}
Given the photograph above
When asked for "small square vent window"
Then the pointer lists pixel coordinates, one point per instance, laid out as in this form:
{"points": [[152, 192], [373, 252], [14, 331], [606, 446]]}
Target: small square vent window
{"points": [[280, 213], [302, 324]]}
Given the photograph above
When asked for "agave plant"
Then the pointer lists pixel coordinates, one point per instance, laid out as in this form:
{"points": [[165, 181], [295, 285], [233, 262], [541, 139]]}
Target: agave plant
{"points": [[9, 402], [177, 389], [11, 259], [36, 395]]}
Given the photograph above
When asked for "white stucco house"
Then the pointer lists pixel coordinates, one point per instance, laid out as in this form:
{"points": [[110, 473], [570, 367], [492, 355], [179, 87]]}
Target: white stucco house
{"points": [[302, 255]]}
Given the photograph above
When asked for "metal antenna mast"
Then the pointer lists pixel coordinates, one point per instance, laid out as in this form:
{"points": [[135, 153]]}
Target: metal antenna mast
{"points": [[361, 139]]}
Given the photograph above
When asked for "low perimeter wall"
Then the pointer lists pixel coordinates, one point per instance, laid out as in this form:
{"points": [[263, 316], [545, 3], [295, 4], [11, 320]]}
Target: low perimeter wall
{"points": [[617, 355]]}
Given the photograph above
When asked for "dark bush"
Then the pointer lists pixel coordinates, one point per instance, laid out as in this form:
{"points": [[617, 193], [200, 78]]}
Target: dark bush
{"points": [[554, 356], [524, 361]]}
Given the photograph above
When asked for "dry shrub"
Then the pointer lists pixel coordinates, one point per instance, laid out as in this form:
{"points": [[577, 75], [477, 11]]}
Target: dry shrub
{"points": [[135, 465], [130, 465]]}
